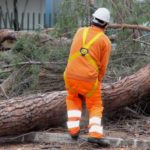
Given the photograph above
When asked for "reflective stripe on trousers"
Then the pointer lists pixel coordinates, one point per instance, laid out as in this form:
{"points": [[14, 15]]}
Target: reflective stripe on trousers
{"points": [[73, 122], [93, 104], [95, 127], [74, 113]]}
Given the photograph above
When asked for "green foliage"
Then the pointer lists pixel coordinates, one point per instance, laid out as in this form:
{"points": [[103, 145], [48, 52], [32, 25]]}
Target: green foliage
{"points": [[30, 49], [129, 11], [127, 55], [3, 75], [72, 14], [6, 57]]}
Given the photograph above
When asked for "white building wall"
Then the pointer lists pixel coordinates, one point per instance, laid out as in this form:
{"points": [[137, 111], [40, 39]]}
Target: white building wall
{"points": [[33, 6]]}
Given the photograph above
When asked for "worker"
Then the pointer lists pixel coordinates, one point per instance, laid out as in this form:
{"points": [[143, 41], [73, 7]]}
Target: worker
{"points": [[87, 63]]}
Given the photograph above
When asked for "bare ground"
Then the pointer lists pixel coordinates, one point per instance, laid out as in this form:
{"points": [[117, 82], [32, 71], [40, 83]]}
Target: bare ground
{"points": [[126, 128], [54, 146]]}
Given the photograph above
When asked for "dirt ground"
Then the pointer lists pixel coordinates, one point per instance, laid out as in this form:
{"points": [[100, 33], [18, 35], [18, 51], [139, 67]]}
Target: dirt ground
{"points": [[125, 128], [54, 147]]}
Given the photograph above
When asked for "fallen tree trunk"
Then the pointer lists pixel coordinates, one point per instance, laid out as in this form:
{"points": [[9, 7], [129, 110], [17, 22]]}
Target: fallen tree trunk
{"points": [[23, 114], [8, 38], [129, 26], [127, 91]]}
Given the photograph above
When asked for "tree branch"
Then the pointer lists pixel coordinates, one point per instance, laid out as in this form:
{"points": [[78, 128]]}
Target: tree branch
{"points": [[141, 42], [129, 26], [32, 63]]}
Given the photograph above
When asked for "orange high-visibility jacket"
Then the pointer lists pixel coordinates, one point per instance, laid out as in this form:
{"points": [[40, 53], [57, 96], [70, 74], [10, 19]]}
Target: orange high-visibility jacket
{"points": [[80, 68]]}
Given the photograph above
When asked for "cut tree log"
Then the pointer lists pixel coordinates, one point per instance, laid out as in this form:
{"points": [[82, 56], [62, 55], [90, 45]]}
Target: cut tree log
{"points": [[23, 114]]}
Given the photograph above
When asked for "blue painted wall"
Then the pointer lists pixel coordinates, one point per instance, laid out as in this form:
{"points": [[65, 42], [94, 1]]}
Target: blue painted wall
{"points": [[49, 11], [51, 8]]}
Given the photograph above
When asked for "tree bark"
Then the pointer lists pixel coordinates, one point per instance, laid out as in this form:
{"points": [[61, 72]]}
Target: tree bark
{"points": [[127, 91], [16, 22], [23, 114], [51, 78], [129, 26], [8, 38]]}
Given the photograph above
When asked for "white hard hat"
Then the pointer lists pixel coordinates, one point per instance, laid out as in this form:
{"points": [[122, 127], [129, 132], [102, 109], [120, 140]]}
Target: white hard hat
{"points": [[102, 14]]}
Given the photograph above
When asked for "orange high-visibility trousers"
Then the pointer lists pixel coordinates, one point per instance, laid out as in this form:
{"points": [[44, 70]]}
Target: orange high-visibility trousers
{"points": [[93, 104]]}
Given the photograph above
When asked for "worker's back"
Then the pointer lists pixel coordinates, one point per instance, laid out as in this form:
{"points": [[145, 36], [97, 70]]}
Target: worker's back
{"points": [[80, 68]]}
